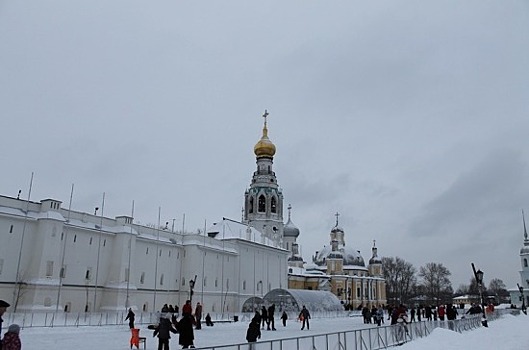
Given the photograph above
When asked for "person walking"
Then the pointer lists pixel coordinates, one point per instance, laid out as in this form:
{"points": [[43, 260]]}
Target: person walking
{"points": [[11, 339], [271, 310], [304, 315], [441, 312], [264, 316], [284, 318], [185, 327], [163, 330], [253, 333], [130, 317], [378, 314], [198, 316]]}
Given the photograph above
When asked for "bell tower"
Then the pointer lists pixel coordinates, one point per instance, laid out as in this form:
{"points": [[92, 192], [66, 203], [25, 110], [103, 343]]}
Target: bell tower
{"points": [[263, 201]]}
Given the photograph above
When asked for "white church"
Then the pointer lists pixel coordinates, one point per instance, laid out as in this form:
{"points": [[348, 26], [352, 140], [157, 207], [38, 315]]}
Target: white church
{"points": [[520, 295], [53, 258]]}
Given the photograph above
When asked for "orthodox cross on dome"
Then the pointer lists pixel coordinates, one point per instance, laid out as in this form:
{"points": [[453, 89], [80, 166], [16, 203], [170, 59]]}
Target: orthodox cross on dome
{"points": [[289, 209], [374, 243], [265, 115], [337, 215]]}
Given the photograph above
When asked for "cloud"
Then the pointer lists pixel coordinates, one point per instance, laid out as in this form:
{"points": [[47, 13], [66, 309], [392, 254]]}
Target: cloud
{"points": [[477, 200]]}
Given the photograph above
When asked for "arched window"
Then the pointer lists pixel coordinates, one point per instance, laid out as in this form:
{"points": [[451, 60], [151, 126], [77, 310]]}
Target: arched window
{"points": [[524, 262], [262, 204], [250, 209], [274, 205]]}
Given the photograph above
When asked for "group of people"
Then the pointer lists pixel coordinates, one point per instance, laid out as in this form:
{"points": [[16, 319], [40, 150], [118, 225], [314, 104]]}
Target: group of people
{"points": [[11, 339], [169, 323], [267, 317]]}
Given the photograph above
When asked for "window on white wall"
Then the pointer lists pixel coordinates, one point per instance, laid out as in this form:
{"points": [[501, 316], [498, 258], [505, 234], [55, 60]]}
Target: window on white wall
{"points": [[1, 265], [243, 285], [11, 229], [63, 272], [161, 280], [142, 278], [49, 268], [88, 274]]}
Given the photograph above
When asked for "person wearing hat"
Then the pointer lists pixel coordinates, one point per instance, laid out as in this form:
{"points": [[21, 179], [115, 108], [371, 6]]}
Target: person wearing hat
{"points": [[11, 339], [3, 307]]}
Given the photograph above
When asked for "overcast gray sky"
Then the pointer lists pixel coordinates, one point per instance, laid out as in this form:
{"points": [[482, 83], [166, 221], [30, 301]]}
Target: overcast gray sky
{"points": [[410, 118]]}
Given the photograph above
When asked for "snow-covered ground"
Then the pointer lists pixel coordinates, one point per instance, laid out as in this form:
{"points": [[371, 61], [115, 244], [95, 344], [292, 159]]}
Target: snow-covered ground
{"points": [[507, 333]]}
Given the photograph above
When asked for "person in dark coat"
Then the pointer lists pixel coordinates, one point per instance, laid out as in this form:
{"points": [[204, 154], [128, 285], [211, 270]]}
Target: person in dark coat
{"points": [[165, 309], [185, 327], [209, 323], [257, 317], [253, 333], [198, 316], [264, 316], [284, 318], [163, 330], [271, 310], [304, 315], [130, 317]]}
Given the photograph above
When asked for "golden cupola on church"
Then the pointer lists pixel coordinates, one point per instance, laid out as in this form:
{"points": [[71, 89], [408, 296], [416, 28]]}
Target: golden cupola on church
{"points": [[264, 147]]}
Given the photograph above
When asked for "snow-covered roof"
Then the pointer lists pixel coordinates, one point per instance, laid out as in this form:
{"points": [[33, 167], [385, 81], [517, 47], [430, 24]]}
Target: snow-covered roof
{"points": [[231, 229]]}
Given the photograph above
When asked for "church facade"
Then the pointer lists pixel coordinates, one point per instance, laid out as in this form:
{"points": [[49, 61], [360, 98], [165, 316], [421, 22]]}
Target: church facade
{"points": [[341, 269]]}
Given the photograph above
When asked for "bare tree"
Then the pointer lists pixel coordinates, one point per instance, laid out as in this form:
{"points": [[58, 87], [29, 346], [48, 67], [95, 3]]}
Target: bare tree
{"points": [[462, 289], [400, 279], [498, 288], [437, 285]]}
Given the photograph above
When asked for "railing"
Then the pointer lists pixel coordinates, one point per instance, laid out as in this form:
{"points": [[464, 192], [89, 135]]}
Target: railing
{"points": [[373, 338]]}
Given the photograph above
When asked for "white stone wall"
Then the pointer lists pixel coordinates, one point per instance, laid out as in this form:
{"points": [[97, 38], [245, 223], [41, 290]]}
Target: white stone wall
{"points": [[153, 254]]}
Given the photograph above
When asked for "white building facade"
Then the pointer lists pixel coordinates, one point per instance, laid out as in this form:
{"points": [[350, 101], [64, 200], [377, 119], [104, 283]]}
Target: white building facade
{"points": [[56, 259]]}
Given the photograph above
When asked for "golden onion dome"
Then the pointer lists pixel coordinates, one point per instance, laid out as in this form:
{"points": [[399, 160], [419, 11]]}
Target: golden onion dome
{"points": [[264, 147]]}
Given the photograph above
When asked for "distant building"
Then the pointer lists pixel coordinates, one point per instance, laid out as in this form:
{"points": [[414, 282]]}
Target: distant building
{"points": [[340, 269]]}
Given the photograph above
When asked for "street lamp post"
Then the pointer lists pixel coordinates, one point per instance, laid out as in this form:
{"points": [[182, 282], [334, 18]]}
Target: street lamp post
{"points": [[478, 275], [522, 298], [191, 287]]}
